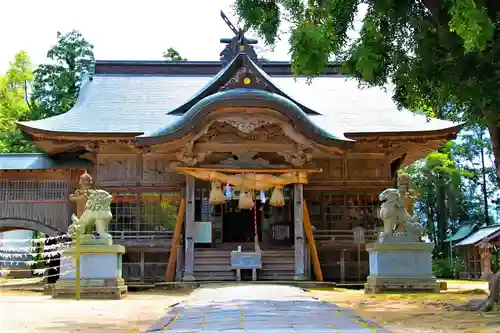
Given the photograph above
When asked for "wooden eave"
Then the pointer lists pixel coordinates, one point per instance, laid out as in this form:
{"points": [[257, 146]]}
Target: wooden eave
{"points": [[75, 136]]}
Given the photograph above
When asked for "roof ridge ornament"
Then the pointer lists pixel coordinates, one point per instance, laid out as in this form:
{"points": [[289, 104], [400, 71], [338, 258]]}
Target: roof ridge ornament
{"points": [[238, 44]]}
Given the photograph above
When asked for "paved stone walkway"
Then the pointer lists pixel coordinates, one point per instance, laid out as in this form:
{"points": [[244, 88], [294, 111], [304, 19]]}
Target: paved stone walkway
{"points": [[259, 309]]}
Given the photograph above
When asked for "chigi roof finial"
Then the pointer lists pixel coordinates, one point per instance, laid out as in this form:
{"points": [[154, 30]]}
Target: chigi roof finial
{"points": [[239, 43]]}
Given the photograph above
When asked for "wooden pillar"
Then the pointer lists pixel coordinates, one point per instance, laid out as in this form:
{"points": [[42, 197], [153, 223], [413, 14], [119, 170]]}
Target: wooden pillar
{"points": [[141, 267], [298, 196], [189, 240]]}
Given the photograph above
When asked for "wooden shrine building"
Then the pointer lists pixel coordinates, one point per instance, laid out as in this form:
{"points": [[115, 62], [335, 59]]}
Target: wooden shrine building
{"points": [[151, 132]]}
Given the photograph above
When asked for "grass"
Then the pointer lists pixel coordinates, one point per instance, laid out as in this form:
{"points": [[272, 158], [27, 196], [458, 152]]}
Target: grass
{"points": [[463, 281], [416, 313]]}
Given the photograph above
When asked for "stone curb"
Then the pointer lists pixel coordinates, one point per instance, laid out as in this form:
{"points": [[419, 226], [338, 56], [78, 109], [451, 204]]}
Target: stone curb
{"points": [[161, 324]]}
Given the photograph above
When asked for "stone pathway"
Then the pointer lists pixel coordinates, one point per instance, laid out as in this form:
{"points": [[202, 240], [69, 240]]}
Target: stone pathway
{"points": [[259, 309]]}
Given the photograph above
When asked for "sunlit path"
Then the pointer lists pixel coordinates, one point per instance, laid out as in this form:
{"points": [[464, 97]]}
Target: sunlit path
{"points": [[259, 308]]}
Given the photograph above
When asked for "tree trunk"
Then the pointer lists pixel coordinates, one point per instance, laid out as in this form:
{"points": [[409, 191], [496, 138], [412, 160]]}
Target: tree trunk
{"points": [[493, 301], [494, 131], [442, 218], [484, 187]]}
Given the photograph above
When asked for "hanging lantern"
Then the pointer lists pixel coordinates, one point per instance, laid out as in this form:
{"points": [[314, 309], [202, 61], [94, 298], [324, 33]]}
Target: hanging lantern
{"points": [[246, 199], [216, 195], [277, 197]]}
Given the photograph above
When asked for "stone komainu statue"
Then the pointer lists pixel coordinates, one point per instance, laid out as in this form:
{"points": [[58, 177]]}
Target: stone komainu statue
{"points": [[97, 212], [395, 217], [97, 209]]}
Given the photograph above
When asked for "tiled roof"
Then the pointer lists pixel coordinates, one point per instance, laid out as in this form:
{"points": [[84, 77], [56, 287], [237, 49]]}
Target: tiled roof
{"points": [[139, 103], [484, 232], [38, 162]]}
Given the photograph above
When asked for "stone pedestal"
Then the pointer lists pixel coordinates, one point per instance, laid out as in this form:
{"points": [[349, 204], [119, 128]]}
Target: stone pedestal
{"points": [[400, 267], [100, 272]]}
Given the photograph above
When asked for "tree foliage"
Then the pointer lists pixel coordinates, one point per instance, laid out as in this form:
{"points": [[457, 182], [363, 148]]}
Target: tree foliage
{"points": [[173, 55], [13, 106], [442, 56], [456, 185], [54, 88], [56, 85]]}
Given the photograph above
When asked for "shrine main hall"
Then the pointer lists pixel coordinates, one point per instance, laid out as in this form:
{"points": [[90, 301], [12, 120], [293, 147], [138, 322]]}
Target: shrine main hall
{"points": [[243, 143]]}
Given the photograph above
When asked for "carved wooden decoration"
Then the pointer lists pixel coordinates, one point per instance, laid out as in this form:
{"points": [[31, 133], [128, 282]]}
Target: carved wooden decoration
{"points": [[114, 167], [298, 158], [247, 126], [235, 131], [245, 78], [188, 157]]}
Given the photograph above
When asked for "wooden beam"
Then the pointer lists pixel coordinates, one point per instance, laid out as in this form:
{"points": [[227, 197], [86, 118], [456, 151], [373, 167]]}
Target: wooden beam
{"points": [[248, 170], [311, 242], [244, 146], [175, 242]]}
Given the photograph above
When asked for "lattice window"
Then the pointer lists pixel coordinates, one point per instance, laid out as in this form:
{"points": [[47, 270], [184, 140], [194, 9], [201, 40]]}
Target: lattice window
{"points": [[314, 207], [124, 209], [159, 211], [3, 189], [344, 211], [45, 190], [333, 210]]}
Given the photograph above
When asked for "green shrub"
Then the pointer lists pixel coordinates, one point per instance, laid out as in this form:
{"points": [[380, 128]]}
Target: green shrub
{"points": [[443, 268]]}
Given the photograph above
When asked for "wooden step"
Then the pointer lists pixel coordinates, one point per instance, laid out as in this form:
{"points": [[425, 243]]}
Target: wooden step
{"points": [[275, 276], [215, 276], [213, 261], [212, 268], [279, 267]]}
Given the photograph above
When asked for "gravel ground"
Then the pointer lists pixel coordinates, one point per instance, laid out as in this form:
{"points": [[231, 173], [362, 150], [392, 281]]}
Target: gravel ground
{"points": [[34, 313]]}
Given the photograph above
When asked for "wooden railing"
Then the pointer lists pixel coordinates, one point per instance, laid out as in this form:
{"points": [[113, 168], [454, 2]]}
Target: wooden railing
{"points": [[142, 238], [149, 235], [344, 236]]}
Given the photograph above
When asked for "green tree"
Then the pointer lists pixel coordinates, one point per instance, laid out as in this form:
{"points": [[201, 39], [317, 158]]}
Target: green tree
{"points": [[173, 55], [439, 183], [473, 156], [56, 85], [13, 104], [442, 56]]}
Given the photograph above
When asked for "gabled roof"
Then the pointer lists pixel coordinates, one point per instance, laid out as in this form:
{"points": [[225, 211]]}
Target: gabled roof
{"points": [[133, 100], [243, 97], [485, 232], [231, 76], [463, 231], [36, 161]]}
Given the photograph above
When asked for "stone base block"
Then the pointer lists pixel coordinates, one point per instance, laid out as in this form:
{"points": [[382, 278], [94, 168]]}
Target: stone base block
{"points": [[400, 267], [98, 288], [375, 285], [100, 272]]}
